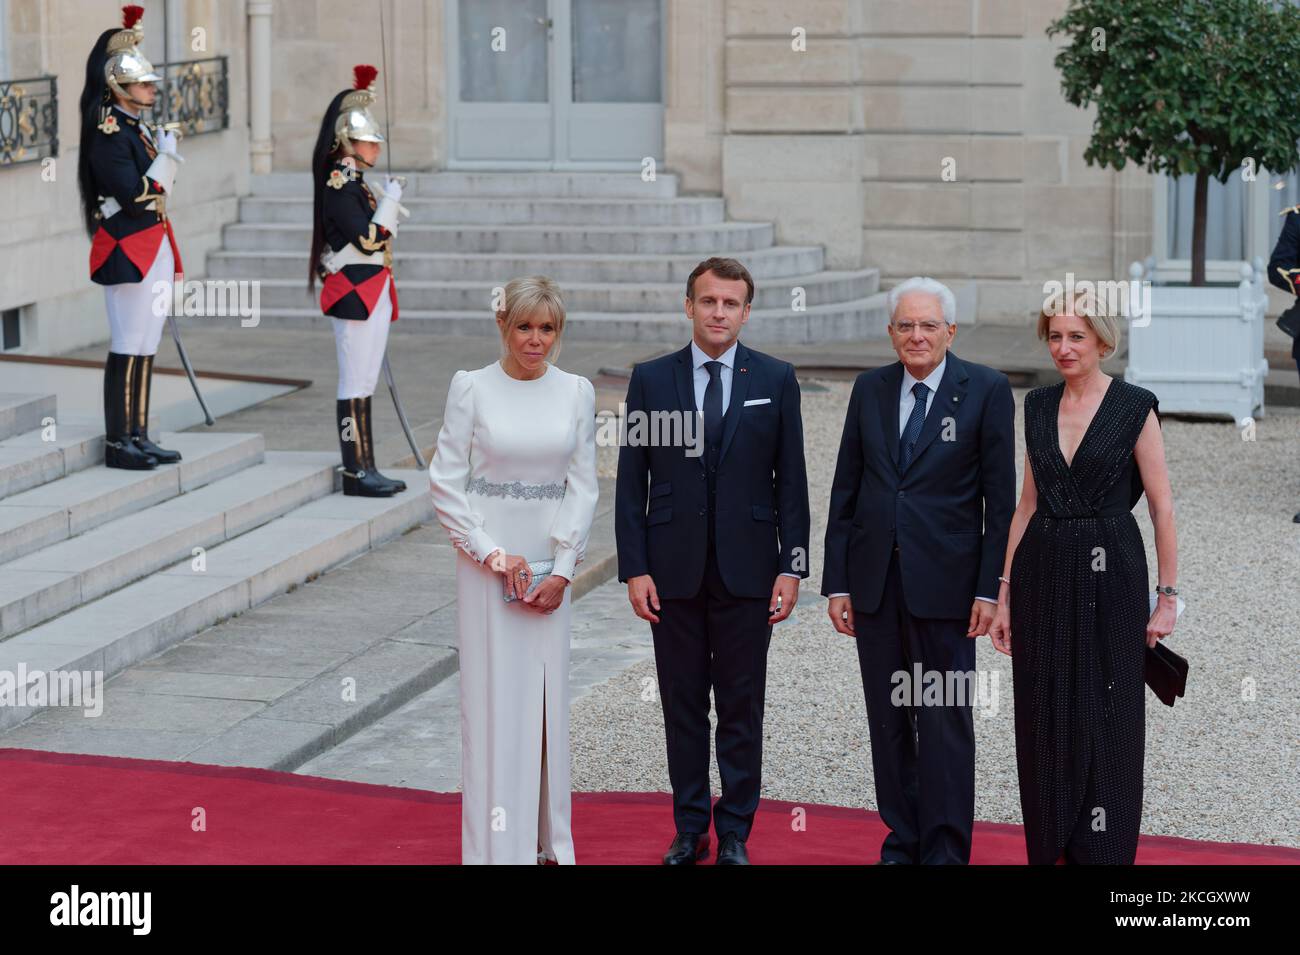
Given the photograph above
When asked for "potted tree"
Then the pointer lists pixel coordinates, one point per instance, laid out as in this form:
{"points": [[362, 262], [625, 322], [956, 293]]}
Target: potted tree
{"points": [[1190, 87]]}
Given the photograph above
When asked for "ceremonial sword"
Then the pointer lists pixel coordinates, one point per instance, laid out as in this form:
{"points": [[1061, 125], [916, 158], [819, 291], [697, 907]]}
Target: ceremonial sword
{"points": [[388, 155]]}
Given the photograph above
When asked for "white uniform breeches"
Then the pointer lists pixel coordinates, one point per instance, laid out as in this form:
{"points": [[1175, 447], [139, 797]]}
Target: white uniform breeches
{"points": [[136, 312], [360, 347]]}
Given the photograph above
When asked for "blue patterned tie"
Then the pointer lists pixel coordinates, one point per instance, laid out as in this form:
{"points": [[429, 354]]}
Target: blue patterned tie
{"points": [[914, 422]]}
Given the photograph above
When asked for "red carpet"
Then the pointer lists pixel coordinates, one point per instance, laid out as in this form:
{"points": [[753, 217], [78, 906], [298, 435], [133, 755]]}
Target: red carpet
{"points": [[63, 809]]}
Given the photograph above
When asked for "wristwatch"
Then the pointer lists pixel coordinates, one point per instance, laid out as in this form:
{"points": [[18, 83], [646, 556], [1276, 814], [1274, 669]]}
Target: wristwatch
{"points": [[1169, 591]]}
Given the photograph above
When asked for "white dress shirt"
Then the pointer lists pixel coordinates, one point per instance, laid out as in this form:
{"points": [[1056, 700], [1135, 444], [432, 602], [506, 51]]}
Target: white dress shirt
{"points": [[701, 380], [907, 401], [701, 376]]}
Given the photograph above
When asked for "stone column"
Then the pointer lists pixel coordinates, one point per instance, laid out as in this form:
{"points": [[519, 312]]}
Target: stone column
{"points": [[259, 84]]}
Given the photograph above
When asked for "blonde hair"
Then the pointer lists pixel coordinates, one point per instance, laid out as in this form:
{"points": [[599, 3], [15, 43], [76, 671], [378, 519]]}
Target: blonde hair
{"points": [[523, 297], [1084, 306]]}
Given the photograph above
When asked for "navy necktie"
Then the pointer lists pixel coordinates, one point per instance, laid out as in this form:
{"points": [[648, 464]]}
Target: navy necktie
{"points": [[912, 430], [713, 404]]}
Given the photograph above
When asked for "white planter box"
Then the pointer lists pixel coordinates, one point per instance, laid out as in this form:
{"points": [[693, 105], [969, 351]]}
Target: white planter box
{"points": [[1202, 349]]}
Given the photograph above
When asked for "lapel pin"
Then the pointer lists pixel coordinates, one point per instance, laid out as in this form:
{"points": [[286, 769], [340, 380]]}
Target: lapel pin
{"points": [[744, 369]]}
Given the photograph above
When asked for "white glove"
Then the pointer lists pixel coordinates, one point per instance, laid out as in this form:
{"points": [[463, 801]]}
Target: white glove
{"points": [[388, 208], [167, 142], [163, 170]]}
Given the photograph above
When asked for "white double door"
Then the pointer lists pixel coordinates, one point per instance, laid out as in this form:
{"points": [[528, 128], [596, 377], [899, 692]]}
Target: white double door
{"points": [[554, 84]]}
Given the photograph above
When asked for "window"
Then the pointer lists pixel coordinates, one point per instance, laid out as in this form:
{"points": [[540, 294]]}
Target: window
{"points": [[10, 329]]}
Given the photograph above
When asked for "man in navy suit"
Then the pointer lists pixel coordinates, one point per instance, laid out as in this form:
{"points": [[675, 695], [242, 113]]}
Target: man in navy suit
{"points": [[712, 542], [920, 508]]}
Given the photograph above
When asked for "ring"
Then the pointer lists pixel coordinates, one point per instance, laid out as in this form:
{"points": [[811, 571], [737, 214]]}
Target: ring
{"points": [[523, 573]]}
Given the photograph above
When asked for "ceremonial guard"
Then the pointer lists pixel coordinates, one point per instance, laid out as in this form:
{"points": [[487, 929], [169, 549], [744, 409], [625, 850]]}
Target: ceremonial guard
{"points": [[125, 171], [1284, 272], [351, 253]]}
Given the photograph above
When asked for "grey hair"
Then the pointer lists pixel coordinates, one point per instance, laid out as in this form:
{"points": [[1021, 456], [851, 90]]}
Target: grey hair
{"points": [[920, 283]]}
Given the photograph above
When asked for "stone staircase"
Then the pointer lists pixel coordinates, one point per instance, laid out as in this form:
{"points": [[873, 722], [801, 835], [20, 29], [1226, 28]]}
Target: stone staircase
{"points": [[100, 568], [620, 248]]}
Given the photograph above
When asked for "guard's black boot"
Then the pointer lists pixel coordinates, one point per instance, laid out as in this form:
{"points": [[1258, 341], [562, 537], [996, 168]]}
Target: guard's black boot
{"points": [[368, 445], [142, 384], [119, 450], [358, 480]]}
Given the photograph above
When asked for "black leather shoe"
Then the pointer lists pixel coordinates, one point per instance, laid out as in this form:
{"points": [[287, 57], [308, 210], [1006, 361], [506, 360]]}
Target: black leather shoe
{"points": [[141, 384], [1296, 519], [687, 847], [357, 480], [362, 406], [889, 862], [120, 450], [731, 851]]}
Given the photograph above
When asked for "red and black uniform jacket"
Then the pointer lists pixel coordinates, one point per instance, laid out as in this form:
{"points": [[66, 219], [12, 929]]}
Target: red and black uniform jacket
{"points": [[353, 291], [125, 244]]}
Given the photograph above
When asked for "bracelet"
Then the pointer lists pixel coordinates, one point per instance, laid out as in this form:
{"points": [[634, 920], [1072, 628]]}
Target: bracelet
{"points": [[1168, 591], [1005, 580]]}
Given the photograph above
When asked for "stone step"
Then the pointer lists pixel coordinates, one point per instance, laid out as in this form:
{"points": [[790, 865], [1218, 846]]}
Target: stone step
{"points": [[720, 238], [146, 617], [73, 572], [577, 185], [769, 263], [855, 320], [522, 210], [82, 501], [19, 413], [27, 460], [820, 288]]}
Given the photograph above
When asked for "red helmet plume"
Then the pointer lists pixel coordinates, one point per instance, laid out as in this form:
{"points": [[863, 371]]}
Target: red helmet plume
{"points": [[363, 75]]}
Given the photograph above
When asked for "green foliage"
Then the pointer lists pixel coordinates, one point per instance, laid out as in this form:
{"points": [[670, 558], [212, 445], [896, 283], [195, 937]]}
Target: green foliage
{"points": [[1185, 86]]}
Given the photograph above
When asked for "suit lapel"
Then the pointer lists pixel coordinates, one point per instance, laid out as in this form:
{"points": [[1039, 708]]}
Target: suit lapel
{"points": [[741, 373], [952, 390], [683, 372], [889, 397]]}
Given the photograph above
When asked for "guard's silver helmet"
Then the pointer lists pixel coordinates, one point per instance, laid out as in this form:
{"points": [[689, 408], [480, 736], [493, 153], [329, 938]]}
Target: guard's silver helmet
{"points": [[355, 124], [126, 64]]}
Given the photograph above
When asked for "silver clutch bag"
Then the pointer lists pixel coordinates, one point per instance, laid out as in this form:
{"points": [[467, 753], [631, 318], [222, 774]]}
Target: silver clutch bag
{"points": [[540, 569]]}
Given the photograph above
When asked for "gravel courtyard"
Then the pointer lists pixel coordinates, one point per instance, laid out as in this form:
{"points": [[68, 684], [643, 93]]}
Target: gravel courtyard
{"points": [[1220, 765]]}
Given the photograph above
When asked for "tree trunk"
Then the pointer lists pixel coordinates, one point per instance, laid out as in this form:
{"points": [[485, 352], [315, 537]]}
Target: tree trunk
{"points": [[1198, 227]]}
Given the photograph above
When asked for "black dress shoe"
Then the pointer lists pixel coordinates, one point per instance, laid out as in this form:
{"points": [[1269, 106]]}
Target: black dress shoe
{"points": [[142, 385], [731, 851], [1296, 519], [687, 847], [120, 450], [889, 862], [358, 481]]}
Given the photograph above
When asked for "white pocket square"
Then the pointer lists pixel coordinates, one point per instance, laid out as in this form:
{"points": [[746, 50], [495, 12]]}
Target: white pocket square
{"points": [[758, 401]]}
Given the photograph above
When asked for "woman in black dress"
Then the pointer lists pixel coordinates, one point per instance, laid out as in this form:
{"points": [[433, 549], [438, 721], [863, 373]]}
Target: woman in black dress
{"points": [[1073, 600]]}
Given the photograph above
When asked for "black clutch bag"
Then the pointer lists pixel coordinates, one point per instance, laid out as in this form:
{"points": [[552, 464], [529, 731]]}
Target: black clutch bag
{"points": [[1289, 321], [1166, 673]]}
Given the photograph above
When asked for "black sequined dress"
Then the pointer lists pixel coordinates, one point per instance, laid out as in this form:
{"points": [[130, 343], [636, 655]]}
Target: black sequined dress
{"points": [[1079, 610]]}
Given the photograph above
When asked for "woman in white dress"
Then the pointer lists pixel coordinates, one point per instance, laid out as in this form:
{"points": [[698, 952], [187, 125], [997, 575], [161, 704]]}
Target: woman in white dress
{"points": [[514, 480]]}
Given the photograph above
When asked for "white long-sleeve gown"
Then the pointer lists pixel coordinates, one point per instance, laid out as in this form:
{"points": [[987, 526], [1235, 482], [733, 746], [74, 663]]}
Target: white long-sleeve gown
{"points": [[515, 468]]}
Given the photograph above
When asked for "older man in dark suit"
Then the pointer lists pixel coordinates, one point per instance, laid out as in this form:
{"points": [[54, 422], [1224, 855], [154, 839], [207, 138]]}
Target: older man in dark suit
{"points": [[920, 508]]}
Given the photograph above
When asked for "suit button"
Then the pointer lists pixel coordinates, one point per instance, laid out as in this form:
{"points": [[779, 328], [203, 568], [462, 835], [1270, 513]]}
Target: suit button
{"points": [[902, 494]]}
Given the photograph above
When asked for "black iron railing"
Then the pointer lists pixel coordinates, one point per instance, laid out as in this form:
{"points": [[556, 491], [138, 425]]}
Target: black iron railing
{"points": [[29, 120], [194, 93]]}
